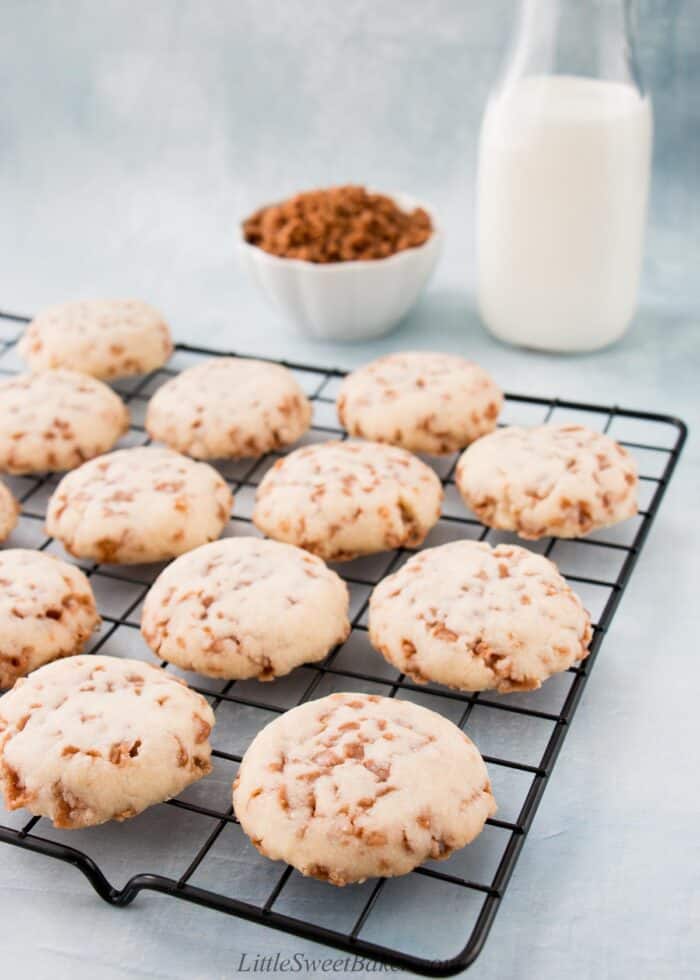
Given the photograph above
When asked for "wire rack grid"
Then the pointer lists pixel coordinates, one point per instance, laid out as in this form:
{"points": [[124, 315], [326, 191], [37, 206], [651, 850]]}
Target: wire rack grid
{"points": [[435, 920]]}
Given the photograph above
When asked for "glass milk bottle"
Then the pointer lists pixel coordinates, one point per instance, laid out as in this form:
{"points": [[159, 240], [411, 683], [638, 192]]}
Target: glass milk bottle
{"points": [[564, 161]]}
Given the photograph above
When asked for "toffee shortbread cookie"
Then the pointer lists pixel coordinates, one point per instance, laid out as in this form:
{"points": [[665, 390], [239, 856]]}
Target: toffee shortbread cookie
{"points": [[355, 786], [47, 611], [55, 420], [245, 607], [229, 407], [344, 499], [138, 505], [90, 739], [105, 338], [562, 480], [423, 401], [9, 512], [477, 618]]}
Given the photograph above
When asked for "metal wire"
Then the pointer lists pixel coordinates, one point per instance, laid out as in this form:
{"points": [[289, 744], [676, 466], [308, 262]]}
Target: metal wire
{"points": [[336, 672]]}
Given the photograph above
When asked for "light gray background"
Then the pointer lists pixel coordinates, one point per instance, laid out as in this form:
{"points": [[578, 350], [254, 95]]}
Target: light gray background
{"points": [[132, 135]]}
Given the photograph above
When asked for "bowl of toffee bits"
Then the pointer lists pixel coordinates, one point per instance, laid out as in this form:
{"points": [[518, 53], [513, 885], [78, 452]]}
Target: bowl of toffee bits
{"points": [[341, 263]]}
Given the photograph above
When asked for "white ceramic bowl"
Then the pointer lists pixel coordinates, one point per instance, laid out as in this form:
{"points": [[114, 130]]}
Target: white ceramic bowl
{"points": [[344, 300]]}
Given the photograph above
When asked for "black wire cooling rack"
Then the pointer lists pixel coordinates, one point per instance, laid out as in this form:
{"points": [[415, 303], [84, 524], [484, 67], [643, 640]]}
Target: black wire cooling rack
{"points": [[435, 920]]}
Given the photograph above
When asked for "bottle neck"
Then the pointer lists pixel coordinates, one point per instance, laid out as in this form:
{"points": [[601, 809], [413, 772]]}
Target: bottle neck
{"points": [[589, 38]]}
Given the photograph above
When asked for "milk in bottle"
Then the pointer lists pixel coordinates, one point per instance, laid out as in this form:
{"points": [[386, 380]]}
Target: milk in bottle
{"points": [[563, 179]]}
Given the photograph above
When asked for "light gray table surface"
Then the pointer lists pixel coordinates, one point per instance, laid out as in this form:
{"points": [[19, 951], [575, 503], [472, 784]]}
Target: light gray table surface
{"points": [[132, 136]]}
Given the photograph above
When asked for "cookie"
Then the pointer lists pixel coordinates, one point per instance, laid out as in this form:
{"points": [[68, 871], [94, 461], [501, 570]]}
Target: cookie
{"points": [[562, 480], [355, 786], [9, 512], [245, 607], [90, 739], [138, 505], [55, 420], [425, 402], [478, 618], [344, 499], [47, 611], [105, 338], [229, 407]]}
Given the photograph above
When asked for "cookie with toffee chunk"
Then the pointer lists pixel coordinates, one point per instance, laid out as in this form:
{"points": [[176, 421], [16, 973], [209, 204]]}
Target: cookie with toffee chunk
{"points": [[245, 607], [344, 499], [357, 786], [564, 481], [9, 512], [229, 407], [138, 505], [56, 420], [107, 338], [423, 401], [477, 618], [90, 739]]}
